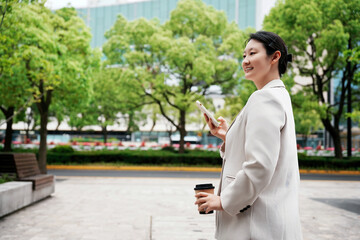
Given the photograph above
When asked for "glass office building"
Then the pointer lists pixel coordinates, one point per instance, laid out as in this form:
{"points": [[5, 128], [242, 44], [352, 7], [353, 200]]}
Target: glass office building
{"points": [[101, 17]]}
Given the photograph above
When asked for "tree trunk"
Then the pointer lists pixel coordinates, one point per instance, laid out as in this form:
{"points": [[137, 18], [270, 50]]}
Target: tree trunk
{"points": [[130, 123], [351, 70], [182, 131], [104, 130], [305, 140], [153, 126], [43, 142], [349, 124], [337, 144], [28, 124], [9, 131], [43, 107], [335, 134], [170, 133], [58, 125], [27, 135]]}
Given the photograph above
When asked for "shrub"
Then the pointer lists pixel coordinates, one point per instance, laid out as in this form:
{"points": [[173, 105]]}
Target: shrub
{"points": [[333, 163], [150, 157], [6, 178], [62, 149], [168, 148]]}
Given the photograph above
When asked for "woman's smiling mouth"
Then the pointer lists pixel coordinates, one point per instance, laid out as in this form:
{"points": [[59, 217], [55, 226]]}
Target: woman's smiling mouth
{"points": [[248, 69]]}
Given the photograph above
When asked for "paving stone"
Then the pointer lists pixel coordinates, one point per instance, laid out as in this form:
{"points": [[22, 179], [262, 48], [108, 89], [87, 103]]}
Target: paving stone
{"points": [[195, 227], [137, 208]]}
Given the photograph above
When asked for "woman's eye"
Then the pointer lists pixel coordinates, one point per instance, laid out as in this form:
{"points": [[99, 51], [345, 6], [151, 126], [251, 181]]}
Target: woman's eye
{"points": [[244, 56], [252, 53]]}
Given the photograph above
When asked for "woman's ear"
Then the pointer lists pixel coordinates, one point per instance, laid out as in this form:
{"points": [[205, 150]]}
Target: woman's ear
{"points": [[276, 57]]}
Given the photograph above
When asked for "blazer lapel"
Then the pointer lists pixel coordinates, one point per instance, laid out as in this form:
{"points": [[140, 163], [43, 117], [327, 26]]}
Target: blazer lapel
{"points": [[236, 118]]}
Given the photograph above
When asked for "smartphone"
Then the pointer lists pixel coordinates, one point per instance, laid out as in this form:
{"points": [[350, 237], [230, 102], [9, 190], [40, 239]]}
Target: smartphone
{"points": [[208, 114]]}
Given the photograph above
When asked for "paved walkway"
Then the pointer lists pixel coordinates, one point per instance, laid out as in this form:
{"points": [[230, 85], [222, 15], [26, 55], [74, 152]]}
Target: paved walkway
{"points": [[162, 208]]}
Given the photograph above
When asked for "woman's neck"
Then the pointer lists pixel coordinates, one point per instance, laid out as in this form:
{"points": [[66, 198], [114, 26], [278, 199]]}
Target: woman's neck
{"points": [[260, 84]]}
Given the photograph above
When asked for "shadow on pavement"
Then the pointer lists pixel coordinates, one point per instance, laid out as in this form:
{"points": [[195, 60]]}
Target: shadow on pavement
{"points": [[352, 205]]}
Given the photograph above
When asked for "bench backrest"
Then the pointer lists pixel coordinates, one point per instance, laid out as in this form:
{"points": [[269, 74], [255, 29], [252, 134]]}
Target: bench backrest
{"points": [[26, 164], [23, 164]]}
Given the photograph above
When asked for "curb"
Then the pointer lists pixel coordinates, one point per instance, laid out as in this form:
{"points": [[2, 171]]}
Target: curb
{"points": [[334, 172], [182, 169], [135, 168]]}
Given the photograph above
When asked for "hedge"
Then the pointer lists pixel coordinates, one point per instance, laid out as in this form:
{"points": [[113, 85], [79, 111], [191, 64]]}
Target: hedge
{"points": [[133, 157], [315, 162], [190, 158]]}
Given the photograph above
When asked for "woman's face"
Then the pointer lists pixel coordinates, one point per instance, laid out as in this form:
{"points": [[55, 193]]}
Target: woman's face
{"points": [[256, 63]]}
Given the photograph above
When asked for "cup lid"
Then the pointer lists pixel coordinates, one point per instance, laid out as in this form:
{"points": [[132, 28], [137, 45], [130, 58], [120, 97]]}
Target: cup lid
{"points": [[204, 186]]}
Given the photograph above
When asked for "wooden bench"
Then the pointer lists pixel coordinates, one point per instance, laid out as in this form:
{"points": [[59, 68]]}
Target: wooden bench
{"points": [[26, 168]]}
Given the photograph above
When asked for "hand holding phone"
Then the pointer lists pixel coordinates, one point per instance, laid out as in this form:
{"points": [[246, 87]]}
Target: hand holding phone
{"points": [[208, 114]]}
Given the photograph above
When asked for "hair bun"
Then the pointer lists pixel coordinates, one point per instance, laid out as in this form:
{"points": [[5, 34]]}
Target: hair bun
{"points": [[289, 57]]}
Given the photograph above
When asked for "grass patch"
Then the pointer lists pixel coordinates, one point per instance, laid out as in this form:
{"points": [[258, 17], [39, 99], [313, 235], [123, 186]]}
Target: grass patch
{"points": [[6, 178]]}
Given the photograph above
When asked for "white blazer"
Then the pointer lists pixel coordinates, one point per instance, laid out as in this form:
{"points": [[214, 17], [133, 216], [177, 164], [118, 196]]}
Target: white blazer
{"points": [[260, 175]]}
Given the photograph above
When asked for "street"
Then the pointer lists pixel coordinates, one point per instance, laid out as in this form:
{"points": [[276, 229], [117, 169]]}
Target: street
{"points": [[183, 174]]}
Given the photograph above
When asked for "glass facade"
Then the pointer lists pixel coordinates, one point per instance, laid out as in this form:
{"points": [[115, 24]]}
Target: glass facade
{"points": [[101, 19]]}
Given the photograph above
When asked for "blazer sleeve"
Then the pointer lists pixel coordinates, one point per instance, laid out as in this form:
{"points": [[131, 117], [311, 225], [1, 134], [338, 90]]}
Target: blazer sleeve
{"points": [[222, 150], [264, 120]]}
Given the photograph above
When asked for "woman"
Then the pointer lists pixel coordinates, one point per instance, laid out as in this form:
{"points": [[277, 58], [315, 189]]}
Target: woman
{"points": [[258, 193]]}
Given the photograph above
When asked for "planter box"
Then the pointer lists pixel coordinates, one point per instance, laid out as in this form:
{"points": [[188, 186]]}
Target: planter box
{"points": [[16, 195]]}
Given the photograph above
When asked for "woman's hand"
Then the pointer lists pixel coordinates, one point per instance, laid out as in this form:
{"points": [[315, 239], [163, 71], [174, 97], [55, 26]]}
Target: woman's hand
{"points": [[208, 202], [219, 131]]}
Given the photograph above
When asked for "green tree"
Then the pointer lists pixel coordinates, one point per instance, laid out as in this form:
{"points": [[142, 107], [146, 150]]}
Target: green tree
{"points": [[4, 7], [15, 91], [113, 96], [176, 63], [307, 119], [56, 58], [354, 56], [318, 33], [64, 109]]}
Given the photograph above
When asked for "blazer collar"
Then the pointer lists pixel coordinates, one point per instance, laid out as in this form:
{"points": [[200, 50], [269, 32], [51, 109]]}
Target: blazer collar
{"points": [[274, 83]]}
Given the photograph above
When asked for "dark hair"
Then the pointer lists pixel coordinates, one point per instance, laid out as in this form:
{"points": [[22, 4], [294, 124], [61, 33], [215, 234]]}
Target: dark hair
{"points": [[272, 43]]}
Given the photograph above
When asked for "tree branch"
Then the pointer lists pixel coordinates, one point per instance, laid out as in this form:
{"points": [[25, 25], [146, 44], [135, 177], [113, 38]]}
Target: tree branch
{"points": [[3, 14], [320, 86], [221, 81], [163, 112], [305, 71], [17, 112], [135, 106], [170, 103], [170, 93], [330, 67], [304, 85], [157, 101]]}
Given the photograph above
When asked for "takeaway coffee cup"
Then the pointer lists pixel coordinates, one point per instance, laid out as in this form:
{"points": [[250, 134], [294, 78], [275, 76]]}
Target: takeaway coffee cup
{"points": [[208, 188]]}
